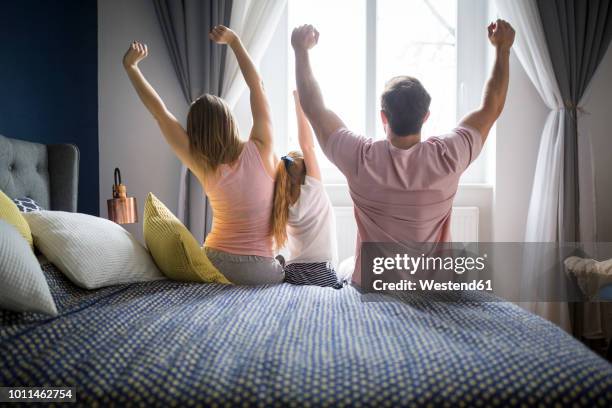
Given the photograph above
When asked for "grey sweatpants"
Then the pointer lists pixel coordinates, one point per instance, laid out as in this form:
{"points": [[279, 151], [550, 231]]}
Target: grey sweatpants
{"points": [[246, 269]]}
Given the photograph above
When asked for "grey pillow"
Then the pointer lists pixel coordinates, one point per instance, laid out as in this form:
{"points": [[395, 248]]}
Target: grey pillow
{"points": [[23, 287]]}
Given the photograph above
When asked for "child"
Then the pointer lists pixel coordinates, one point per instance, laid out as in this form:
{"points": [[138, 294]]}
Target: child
{"points": [[303, 217]]}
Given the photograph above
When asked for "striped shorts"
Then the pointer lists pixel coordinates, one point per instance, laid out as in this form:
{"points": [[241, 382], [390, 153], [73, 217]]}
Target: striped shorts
{"points": [[316, 274]]}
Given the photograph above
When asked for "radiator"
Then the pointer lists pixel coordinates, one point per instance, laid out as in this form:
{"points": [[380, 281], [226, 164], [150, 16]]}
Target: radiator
{"points": [[346, 231], [464, 228], [464, 224]]}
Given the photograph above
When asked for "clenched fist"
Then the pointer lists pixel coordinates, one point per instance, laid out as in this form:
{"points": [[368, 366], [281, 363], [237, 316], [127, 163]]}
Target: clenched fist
{"points": [[136, 53], [501, 34], [304, 37], [222, 35]]}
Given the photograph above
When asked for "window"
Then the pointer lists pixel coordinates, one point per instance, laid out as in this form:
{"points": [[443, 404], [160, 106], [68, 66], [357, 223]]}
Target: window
{"points": [[366, 42], [418, 38], [338, 62]]}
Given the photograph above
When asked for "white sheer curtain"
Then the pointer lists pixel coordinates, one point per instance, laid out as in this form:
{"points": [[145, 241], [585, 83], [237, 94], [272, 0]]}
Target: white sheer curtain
{"points": [[255, 21], [543, 217]]}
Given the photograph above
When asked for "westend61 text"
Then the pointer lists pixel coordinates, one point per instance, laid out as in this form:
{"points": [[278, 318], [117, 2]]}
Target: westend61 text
{"points": [[431, 285]]}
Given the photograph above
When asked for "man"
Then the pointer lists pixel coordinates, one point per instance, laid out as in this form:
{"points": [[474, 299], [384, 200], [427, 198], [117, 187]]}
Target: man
{"points": [[402, 188]]}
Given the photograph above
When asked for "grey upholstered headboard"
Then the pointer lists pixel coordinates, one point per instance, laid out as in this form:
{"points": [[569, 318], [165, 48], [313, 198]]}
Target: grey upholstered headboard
{"points": [[48, 174]]}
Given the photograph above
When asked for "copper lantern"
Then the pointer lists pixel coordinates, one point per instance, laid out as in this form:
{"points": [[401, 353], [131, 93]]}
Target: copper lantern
{"points": [[121, 208]]}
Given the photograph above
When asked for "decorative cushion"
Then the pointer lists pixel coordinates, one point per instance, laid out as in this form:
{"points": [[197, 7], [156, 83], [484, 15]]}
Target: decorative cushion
{"points": [[26, 204], [176, 252], [10, 213], [92, 252], [23, 287]]}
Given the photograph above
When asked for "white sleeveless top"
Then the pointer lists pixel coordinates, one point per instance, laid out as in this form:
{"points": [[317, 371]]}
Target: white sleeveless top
{"points": [[311, 227]]}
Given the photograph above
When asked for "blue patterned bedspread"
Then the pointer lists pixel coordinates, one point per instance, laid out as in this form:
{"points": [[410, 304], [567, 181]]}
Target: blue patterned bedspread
{"points": [[161, 343]]}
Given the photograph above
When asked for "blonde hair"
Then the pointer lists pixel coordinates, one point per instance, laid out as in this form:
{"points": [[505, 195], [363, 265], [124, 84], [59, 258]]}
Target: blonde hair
{"points": [[213, 133], [286, 180]]}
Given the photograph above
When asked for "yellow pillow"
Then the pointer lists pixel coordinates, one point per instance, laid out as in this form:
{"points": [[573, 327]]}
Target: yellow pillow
{"points": [[10, 213], [175, 251]]}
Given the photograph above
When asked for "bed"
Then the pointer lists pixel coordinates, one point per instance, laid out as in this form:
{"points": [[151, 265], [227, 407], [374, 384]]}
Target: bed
{"points": [[169, 343]]}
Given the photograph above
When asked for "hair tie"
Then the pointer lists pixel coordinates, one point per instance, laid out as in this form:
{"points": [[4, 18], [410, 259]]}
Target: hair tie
{"points": [[288, 160]]}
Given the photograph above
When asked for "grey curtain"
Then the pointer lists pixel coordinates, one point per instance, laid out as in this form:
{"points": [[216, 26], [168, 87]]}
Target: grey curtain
{"points": [[199, 66], [578, 33]]}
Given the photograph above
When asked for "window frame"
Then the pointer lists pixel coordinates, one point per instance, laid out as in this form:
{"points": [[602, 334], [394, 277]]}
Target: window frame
{"points": [[471, 45]]}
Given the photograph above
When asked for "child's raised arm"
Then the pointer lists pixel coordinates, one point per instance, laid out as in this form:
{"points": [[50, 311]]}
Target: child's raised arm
{"points": [[171, 128], [261, 133], [306, 140]]}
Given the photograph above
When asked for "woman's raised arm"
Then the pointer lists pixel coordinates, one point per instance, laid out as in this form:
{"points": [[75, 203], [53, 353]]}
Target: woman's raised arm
{"points": [[261, 133], [171, 128]]}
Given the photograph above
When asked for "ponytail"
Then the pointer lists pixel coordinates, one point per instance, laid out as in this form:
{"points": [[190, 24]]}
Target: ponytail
{"points": [[282, 200]]}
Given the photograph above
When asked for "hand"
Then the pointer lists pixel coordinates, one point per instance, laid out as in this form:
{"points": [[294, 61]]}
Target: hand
{"points": [[222, 35], [501, 34], [304, 37], [136, 53]]}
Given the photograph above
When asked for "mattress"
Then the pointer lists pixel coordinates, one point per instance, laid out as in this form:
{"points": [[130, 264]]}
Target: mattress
{"points": [[162, 343]]}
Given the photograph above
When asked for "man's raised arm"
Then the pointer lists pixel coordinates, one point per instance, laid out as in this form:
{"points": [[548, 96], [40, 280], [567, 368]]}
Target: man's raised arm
{"points": [[324, 121], [501, 36]]}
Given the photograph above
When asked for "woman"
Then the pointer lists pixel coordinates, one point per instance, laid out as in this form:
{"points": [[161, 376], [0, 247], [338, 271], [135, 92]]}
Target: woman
{"points": [[237, 176]]}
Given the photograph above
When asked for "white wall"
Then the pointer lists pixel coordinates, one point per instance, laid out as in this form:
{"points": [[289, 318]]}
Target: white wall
{"points": [[128, 136]]}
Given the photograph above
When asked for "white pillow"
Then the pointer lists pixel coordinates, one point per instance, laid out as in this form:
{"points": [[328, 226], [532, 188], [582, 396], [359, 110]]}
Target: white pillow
{"points": [[92, 252], [23, 287]]}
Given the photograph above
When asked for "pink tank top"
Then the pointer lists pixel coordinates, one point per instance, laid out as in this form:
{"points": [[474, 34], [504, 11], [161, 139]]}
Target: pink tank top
{"points": [[241, 196]]}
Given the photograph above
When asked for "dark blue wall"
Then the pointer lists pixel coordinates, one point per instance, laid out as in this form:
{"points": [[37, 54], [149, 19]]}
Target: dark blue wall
{"points": [[49, 80]]}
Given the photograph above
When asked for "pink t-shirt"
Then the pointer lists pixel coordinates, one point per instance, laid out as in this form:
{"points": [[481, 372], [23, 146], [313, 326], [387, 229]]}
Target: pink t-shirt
{"points": [[241, 196], [402, 195]]}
